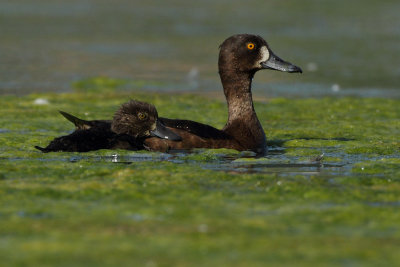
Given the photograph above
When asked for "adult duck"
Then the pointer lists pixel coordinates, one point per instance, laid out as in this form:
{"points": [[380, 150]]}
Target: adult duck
{"points": [[240, 57]]}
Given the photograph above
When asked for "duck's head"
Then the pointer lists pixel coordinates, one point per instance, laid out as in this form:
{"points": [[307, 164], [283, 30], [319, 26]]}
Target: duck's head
{"points": [[140, 119], [249, 53]]}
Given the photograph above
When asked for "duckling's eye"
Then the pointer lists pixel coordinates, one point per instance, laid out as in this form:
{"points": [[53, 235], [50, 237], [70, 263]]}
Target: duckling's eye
{"points": [[142, 116], [250, 46]]}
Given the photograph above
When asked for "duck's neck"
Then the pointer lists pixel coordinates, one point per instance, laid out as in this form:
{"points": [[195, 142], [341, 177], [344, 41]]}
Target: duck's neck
{"points": [[243, 123]]}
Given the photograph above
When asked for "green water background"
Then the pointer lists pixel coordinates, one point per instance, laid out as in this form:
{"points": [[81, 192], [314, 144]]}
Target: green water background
{"points": [[352, 46]]}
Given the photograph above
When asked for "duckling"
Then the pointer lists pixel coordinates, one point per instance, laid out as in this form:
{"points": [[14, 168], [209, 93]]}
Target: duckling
{"points": [[133, 122], [240, 57]]}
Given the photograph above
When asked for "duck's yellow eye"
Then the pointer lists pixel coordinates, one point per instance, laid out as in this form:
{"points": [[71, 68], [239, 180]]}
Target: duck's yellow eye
{"points": [[142, 116], [250, 46]]}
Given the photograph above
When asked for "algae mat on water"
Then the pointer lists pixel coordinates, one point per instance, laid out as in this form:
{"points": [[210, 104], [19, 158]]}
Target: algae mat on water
{"points": [[209, 207]]}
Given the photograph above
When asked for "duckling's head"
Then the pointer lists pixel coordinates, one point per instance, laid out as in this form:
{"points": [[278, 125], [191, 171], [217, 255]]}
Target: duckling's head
{"points": [[135, 118], [140, 119], [247, 53]]}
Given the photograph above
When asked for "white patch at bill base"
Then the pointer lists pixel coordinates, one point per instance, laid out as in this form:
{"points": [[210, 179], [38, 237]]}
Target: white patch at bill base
{"points": [[264, 56]]}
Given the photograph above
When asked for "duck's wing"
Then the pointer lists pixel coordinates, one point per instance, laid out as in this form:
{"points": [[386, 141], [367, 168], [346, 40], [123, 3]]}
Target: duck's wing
{"points": [[81, 124], [196, 128]]}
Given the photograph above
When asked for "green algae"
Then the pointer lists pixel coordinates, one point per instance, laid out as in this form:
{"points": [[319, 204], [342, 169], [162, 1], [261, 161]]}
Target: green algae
{"points": [[386, 167], [207, 207]]}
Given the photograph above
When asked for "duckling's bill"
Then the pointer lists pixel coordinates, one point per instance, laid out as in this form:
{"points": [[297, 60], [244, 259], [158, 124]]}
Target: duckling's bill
{"points": [[276, 63], [163, 132]]}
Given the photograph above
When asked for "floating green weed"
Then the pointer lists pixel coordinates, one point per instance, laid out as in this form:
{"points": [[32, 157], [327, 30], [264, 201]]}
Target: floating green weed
{"points": [[208, 207]]}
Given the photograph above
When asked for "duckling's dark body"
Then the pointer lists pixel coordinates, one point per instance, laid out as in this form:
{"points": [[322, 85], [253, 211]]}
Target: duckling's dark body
{"points": [[93, 139]]}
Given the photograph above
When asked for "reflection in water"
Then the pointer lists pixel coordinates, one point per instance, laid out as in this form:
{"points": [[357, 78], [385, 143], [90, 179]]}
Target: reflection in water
{"points": [[277, 161]]}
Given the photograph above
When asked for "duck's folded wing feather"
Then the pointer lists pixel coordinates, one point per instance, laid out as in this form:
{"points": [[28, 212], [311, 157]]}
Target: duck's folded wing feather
{"points": [[196, 128]]}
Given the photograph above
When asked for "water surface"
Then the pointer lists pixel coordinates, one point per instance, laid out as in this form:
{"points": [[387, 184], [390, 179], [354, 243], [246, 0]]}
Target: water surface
{"points": [[344, 48]]}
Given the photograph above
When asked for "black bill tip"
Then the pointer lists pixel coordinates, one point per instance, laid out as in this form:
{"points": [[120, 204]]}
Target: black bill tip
{"points": [[293, 68], [276, 63]]}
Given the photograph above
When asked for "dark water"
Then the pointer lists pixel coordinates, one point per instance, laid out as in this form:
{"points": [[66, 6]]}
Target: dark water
{"points": [[345, 47], [276, 161]]}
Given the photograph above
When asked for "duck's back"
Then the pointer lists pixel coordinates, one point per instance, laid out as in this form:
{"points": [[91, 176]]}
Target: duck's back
{"points": [[195, 128], [194, 135]]}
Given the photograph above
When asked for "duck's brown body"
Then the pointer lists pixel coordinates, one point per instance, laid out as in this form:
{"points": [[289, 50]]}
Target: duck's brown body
{"points": [[194, 135], [197, 135]]}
